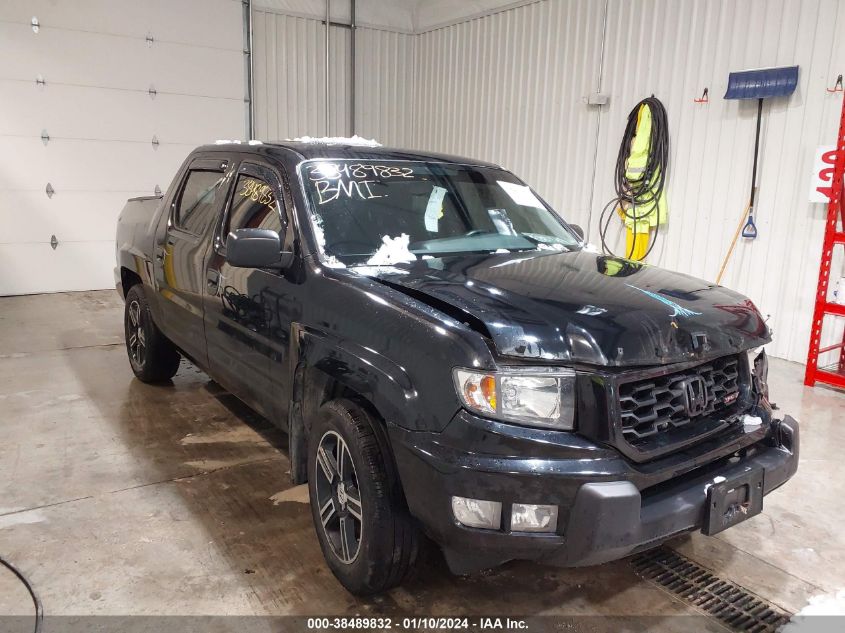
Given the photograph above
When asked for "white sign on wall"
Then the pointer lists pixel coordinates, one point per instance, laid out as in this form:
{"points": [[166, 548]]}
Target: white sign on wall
{"points": [[822, 176]]}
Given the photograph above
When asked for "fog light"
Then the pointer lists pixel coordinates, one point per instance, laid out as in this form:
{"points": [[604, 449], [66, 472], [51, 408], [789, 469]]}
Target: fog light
{"points": [[477, 513], [526, 517]]}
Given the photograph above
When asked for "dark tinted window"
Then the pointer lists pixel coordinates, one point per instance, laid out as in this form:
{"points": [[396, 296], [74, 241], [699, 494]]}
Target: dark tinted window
{"points": [[253, 206], [198, 206]]}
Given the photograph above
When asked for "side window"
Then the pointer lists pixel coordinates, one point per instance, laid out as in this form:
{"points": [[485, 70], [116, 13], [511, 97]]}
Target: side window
{"points": [[197, 205], [254, 206]]}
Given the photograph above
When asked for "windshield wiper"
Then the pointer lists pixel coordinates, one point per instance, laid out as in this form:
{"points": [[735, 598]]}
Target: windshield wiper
{"points": [[538, 242]]}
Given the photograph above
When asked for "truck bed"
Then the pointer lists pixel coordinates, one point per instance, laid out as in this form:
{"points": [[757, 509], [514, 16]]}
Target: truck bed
{"points": [[136, 227]]}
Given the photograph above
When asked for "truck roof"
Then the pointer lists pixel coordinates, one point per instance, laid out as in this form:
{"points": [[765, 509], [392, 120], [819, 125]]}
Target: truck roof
{"points": [[339, 150]]}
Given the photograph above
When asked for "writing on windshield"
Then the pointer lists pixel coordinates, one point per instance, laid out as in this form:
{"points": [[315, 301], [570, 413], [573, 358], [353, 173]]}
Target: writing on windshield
{"points": [[351, 180], [362, 208]]}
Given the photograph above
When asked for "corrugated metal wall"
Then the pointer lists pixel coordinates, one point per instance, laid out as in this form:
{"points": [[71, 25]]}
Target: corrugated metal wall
{"points": [[510, 87], [289, 77], [674, 50], [385, 86]]}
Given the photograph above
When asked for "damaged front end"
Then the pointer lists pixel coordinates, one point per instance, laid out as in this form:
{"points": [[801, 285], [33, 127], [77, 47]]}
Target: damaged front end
{"points": [[658, 452], [565, 307], [614, 495]]}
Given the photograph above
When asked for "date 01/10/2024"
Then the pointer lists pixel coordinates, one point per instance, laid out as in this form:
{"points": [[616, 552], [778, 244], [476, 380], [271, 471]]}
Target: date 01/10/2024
{"points": [[417, 623]]}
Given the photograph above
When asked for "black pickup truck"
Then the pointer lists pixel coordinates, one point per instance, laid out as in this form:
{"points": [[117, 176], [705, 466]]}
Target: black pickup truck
{"points": [[450, 359]]}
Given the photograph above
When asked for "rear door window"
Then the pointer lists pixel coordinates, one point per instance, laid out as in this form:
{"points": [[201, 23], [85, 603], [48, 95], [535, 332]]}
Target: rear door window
{"points": [[254, 206], [199, 201]]}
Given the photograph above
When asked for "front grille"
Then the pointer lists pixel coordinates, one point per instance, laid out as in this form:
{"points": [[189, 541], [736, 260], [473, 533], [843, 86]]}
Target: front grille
{"points": [[662, 403]]}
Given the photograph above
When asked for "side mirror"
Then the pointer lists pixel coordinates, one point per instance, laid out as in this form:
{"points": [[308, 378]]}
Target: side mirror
{"points": [[256, 248], [578, 231]]}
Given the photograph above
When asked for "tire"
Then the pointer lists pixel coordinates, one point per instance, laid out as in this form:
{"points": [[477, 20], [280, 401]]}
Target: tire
{"points": [[152, 357], [382, 541]]}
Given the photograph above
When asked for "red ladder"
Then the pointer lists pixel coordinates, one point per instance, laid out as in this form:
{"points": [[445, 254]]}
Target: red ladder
{"points": [[834, 234]]}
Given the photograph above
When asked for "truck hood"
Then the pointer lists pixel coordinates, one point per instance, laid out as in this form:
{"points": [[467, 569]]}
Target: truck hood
{"points": [[582, 307]]}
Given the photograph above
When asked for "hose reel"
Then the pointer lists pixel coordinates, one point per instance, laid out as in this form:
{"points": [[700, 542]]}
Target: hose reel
{"points": [[640, 180]]}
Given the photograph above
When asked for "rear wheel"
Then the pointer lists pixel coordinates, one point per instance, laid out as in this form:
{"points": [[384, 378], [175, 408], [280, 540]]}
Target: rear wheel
{"points": [[152, 357], [368, 539]]}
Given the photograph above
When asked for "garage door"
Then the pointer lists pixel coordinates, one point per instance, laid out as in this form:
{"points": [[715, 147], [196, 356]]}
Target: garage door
{"points": [[102, 100]]}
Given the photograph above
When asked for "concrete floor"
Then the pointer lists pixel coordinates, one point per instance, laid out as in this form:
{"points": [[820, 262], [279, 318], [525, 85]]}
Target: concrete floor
{"points": [[120, 498]]}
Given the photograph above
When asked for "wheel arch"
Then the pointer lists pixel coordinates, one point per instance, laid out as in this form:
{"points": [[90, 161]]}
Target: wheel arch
{"points": [[128, 278], [327, 369], [134, 268]]}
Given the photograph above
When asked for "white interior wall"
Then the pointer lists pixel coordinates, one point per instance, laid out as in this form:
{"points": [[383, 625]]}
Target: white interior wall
{"points": [[508, 88], [95, 105], [289, 93], [508, 85], [505, 86], [290, 78], [404, 16], [393, 15], [674, 49], [386, 97]]}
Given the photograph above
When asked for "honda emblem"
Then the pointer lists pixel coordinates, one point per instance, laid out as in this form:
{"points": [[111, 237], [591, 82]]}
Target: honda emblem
{"points": [[695, 395]]}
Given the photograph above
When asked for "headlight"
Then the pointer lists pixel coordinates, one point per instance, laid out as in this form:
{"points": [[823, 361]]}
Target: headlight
{"points": [[531, 397]]}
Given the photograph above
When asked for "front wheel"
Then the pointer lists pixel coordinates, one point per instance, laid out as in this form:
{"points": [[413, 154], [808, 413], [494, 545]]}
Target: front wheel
{"points": [[368, 539], [152, 357]]}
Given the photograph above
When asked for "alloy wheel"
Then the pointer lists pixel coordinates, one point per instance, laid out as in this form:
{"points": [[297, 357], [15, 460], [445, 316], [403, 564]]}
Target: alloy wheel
{"points": [[135, 338], [338, 497]]}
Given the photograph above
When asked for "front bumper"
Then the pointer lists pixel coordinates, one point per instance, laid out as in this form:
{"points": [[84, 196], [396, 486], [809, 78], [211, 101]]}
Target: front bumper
{"points": [[608, 507]]}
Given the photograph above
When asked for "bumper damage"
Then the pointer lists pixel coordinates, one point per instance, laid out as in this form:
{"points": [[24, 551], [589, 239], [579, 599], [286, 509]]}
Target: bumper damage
{"points": [[609, 507]]}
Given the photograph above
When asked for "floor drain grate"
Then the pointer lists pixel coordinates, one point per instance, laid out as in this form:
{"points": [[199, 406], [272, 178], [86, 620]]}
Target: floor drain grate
{"points": [[701, 588]]}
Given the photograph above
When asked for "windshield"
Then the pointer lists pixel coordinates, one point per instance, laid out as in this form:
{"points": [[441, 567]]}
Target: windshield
{"points": [[378, 213]]}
